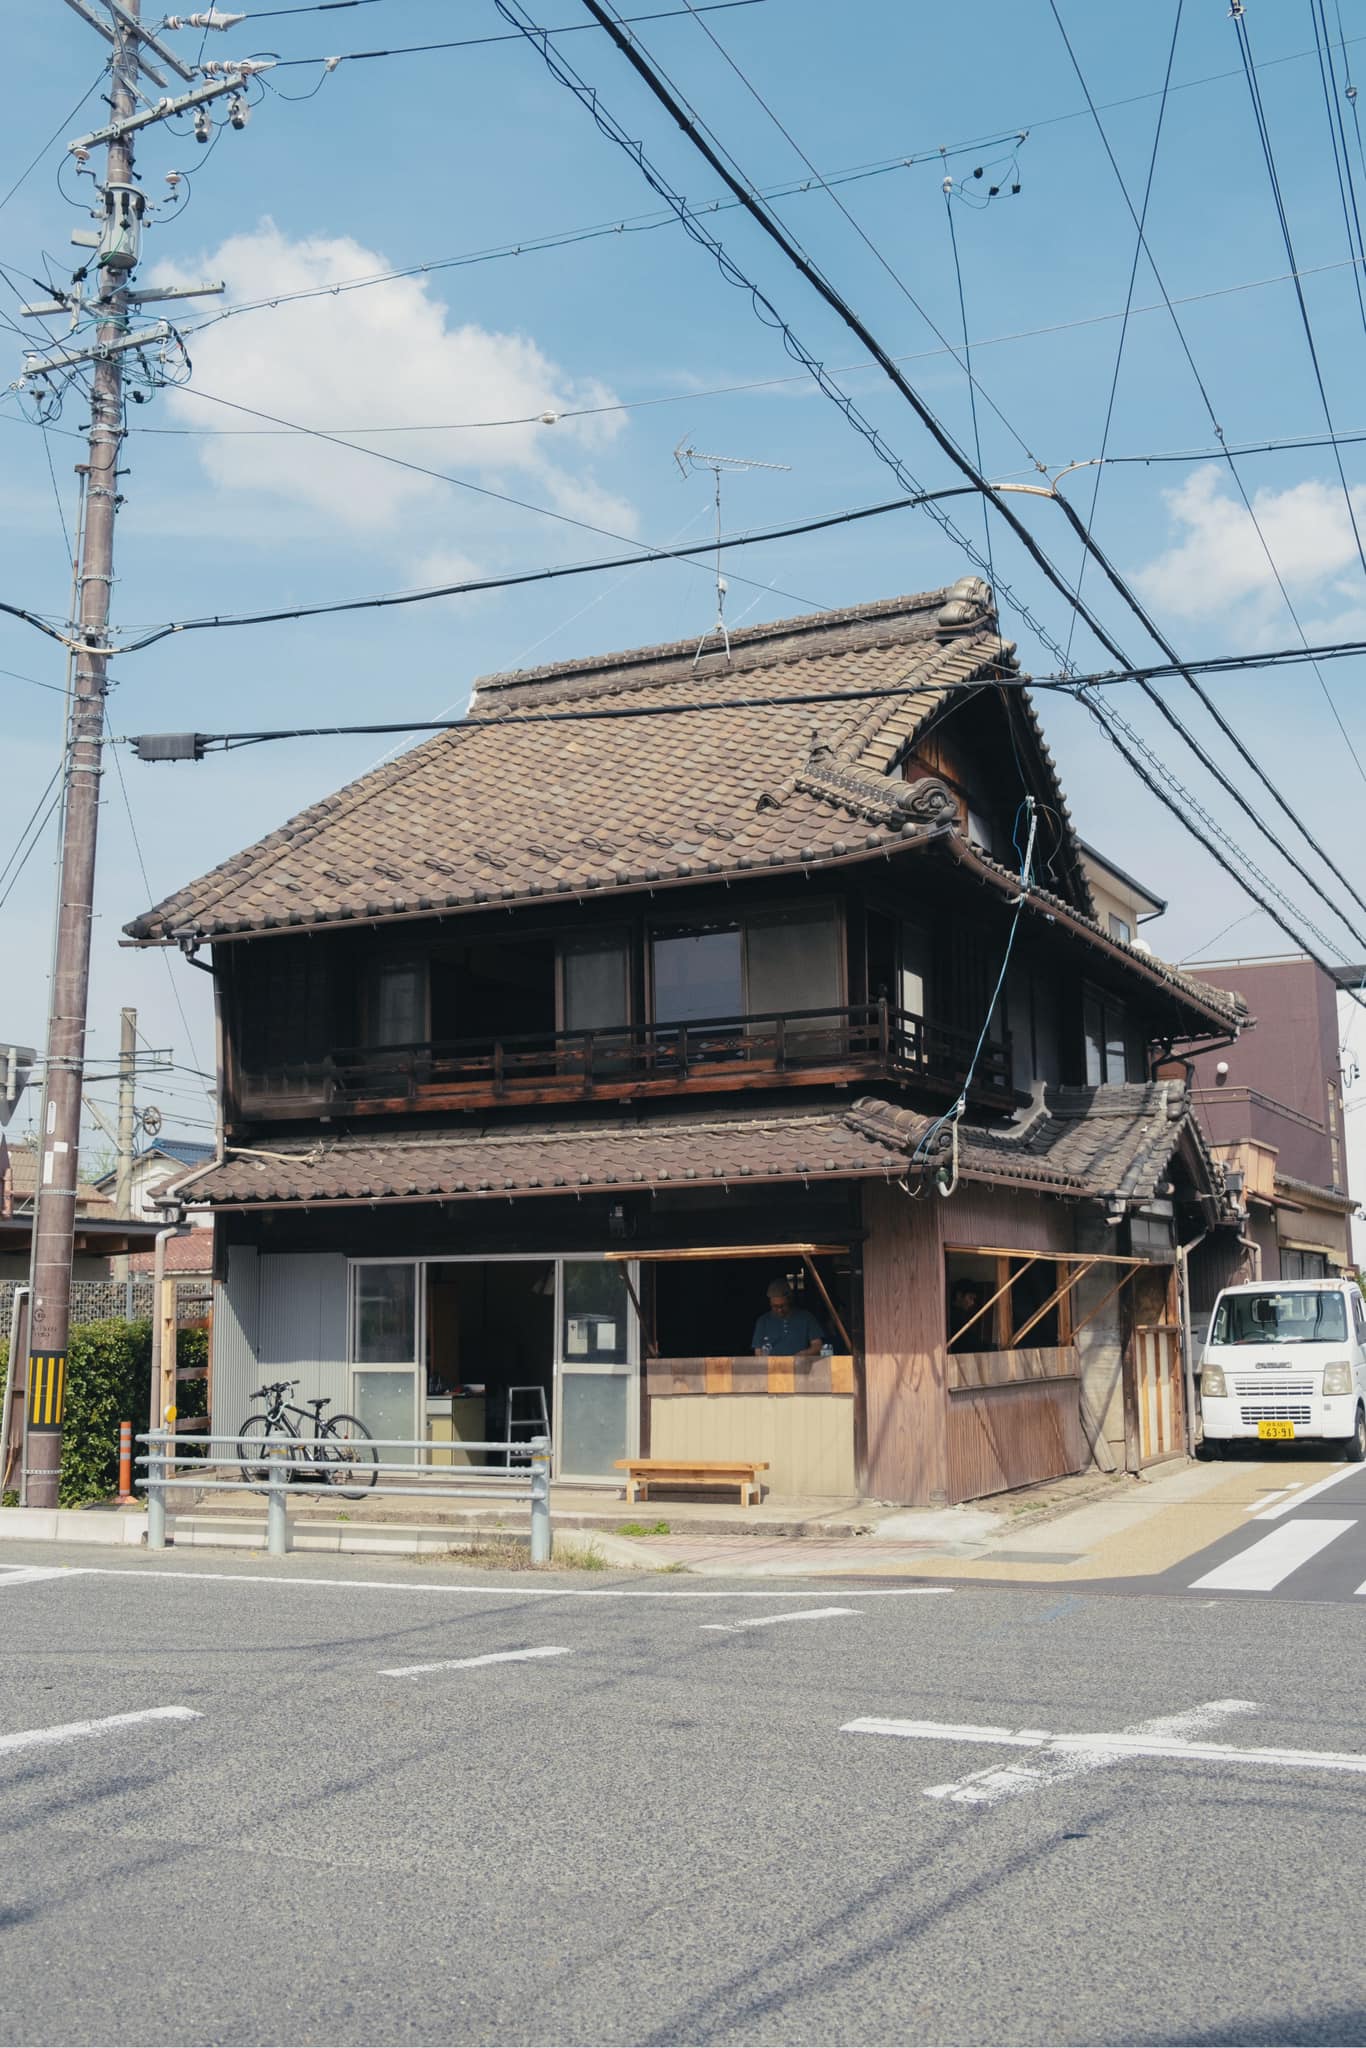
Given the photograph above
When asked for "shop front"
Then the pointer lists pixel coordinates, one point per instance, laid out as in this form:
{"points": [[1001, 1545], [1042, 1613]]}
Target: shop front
{"points": [[470, 1350]]}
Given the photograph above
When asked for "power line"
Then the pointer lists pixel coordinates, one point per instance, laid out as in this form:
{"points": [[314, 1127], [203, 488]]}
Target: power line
{"points": [[1128, 303], [1067, 684], [687, 122], [462, 483], [390, 600], [55, 137], [142, 870], [474, 42], [19, 859]]}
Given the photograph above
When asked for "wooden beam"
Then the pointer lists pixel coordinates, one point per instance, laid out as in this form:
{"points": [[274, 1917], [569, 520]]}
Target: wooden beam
{"points": [[835, 1316], [729, 1251], [1030, 1258], [1005, 1251], [1104, 1302], [646, 1338]]}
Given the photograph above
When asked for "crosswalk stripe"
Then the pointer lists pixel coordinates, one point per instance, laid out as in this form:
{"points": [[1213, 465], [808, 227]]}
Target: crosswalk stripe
{"points": [[1261, 1567]]}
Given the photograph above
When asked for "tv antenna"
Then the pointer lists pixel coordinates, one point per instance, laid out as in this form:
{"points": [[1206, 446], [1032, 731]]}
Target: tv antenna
{"points": [[690, 459]]}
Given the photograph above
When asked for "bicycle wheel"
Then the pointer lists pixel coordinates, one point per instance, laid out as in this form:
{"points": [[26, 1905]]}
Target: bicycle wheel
{"points": [[342, 1437], [259, 1442]]}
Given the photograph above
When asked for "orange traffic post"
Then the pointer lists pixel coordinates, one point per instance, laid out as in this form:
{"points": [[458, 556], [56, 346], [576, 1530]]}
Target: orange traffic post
{"points": [[126, 1496]]}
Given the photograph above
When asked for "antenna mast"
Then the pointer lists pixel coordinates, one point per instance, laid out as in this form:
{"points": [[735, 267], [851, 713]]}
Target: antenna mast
{"points": [[690, 459]]}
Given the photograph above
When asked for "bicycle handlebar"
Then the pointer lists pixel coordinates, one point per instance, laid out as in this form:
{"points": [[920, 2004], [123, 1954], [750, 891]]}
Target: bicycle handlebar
{"points": [[279, 1387]]}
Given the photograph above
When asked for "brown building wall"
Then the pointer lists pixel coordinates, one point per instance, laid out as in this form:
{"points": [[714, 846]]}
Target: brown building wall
{"points": [[1280, 1073]]}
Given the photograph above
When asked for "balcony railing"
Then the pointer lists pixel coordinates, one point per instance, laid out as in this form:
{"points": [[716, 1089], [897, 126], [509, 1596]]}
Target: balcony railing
{"points": [[793, 1047]]}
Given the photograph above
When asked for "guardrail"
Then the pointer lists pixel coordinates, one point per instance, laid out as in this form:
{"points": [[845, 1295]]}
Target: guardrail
{"points": [[276, 1465]]}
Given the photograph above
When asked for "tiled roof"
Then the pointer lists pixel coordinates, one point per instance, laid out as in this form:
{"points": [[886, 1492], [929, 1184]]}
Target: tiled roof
{"points": [[1115, 1140], [90, 1201], [1329, 1198], [770, 774], [1097, 1142]]}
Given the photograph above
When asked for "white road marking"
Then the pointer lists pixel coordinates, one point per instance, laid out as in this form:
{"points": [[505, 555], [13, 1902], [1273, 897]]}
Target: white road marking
{"points": [[469, 1663], [76, 1731], [28, 1574], [1304, 1493], [533, 1592], [767, 1620], [1100, 1749], [1261, 1567], [1067, 1757], [1266, 1500]]}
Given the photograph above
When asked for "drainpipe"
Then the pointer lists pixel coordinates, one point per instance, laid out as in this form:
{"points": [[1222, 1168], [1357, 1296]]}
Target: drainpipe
{"points": [[1183, 1252]]}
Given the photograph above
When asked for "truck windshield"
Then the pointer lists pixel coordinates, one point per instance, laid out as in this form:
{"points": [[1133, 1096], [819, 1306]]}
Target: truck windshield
{"points": [[1281, 1315]]}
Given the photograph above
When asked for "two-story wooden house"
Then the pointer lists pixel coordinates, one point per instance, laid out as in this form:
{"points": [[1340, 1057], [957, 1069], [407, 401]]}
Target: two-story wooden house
{"points": [[546, 1046]]}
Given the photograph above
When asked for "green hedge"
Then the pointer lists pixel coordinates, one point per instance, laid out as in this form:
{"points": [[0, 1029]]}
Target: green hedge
{"points": [[109, 1381]]}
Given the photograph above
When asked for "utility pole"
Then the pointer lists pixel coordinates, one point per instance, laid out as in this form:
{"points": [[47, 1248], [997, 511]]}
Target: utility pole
{"points": [[128, 1043], [115, 305], [59, 1135]]}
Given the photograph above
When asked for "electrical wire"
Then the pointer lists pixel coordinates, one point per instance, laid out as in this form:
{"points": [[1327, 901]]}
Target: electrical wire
{"points": [[1342, 160], [390, 600], [964, 363], [1128, 303], [460, 482], [474, 42], [1268, 156], [55, 137], [142, 870], [32, 832], [628, 46]]}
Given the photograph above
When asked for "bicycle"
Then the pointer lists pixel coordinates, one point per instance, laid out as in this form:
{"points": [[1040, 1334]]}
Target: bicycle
{"points": [[336, 1445]]}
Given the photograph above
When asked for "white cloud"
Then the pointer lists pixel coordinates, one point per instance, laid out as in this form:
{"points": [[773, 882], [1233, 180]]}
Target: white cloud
{"points": [[386, 356], [1218, 565]]}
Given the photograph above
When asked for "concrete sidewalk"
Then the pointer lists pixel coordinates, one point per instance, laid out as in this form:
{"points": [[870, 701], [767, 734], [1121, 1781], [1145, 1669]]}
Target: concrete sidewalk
{"points": [[1091, 1527]]}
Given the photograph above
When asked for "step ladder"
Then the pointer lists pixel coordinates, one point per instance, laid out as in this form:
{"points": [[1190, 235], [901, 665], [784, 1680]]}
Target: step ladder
{"points": [[526, 1411]]}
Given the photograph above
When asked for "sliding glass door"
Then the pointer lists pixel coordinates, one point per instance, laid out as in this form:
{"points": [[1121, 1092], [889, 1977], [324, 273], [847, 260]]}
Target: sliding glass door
{"points": [[386, 1345], [597, 1384]]}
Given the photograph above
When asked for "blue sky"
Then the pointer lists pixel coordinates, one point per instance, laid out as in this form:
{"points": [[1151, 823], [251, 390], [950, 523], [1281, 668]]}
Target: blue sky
{"points": [[414, 159]]}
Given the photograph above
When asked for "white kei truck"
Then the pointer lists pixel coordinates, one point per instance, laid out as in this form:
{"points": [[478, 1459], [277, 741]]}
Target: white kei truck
{"points": [[1285, 1360]]}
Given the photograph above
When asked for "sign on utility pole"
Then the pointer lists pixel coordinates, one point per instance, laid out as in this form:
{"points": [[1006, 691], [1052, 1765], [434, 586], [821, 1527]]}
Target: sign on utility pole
{"points": [[102, 297]]}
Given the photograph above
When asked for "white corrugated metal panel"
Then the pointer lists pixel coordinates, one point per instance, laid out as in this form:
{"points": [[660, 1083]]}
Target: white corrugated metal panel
{"points": [[236, 1320], [303, 1323]]}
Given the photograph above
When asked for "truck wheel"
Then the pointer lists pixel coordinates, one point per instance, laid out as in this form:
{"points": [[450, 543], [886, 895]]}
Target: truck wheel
{"points": [[1210, 1448], [1354, 1451]]}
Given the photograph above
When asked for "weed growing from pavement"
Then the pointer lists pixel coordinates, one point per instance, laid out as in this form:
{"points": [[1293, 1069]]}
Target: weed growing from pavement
{"points": [[642, 1529], [506, 1554]]}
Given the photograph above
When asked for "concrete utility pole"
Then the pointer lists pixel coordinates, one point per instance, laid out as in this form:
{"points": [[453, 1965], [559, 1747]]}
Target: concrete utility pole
{"points": [[115, 307], [60, 1130], [128, 1052]]}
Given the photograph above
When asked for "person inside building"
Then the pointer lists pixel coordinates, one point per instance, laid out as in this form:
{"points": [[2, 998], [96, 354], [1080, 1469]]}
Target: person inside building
{"points": [[784, 1330]]}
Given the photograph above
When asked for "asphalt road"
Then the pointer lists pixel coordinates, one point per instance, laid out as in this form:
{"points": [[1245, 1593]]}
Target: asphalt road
{"points": [[1303, 1538], [669, 1830]]}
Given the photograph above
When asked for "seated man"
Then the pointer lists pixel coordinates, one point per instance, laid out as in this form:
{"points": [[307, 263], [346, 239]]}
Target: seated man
{"points": [[786, 1330]]}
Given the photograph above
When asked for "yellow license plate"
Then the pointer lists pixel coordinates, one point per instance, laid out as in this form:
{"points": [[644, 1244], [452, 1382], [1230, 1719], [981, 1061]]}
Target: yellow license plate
{"points": [[1278, 1430]]}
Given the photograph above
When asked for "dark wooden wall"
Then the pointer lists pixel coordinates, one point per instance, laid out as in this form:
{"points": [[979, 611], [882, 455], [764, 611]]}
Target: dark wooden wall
{"points": [[920, 1442]]}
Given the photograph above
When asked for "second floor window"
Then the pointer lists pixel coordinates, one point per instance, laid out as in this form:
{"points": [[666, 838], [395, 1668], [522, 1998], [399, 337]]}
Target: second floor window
{"points": [[396, 1003], [1115, 1046], [771, 963]]}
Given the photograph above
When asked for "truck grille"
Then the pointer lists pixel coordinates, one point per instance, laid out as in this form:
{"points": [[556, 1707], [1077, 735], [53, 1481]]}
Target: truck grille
{"points": [[1274, 1411], [1273, 1390]]}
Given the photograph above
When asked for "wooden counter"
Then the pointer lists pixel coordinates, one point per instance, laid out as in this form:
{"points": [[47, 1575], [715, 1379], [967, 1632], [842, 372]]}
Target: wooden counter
{"points": [[797, 1414]]}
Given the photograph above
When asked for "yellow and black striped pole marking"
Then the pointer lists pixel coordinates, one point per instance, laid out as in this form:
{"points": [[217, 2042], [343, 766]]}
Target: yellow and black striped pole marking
{"points": [[46, 1389]]}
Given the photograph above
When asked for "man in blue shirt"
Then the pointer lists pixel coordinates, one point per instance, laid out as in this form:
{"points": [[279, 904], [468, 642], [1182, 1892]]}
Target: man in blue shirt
{"points": [[786, 1331]]}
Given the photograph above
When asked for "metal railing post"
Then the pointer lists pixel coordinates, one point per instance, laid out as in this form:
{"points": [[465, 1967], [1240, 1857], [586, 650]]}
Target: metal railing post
{"points": [[277, 1519], [156, 1492], [540, 1500]]}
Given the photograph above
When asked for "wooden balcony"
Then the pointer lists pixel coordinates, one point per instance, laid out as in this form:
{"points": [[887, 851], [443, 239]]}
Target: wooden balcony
{"points": [[867, 1042]]}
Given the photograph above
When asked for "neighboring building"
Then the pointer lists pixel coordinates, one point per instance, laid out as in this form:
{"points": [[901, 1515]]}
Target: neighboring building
{"points": [[1121, 903], [100, 1234], [154, 1168], [1271, 1106], [548, 1044]]}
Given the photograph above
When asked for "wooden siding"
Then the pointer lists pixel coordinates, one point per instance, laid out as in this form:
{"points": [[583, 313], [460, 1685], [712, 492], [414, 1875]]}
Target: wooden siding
{"points": [[902, 1435], [807, 1439], [969, 1369], [748, 1374], [1013, 1436]]}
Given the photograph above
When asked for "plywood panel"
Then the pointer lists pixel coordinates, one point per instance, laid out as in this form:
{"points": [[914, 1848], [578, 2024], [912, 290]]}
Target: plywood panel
{"points": [[807, 1439], [903, 1432], [1013, 1436]]}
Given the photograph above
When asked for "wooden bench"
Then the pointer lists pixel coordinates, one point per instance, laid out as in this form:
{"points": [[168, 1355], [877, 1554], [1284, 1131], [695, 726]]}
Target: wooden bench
{"points": [[642, 1473]]}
